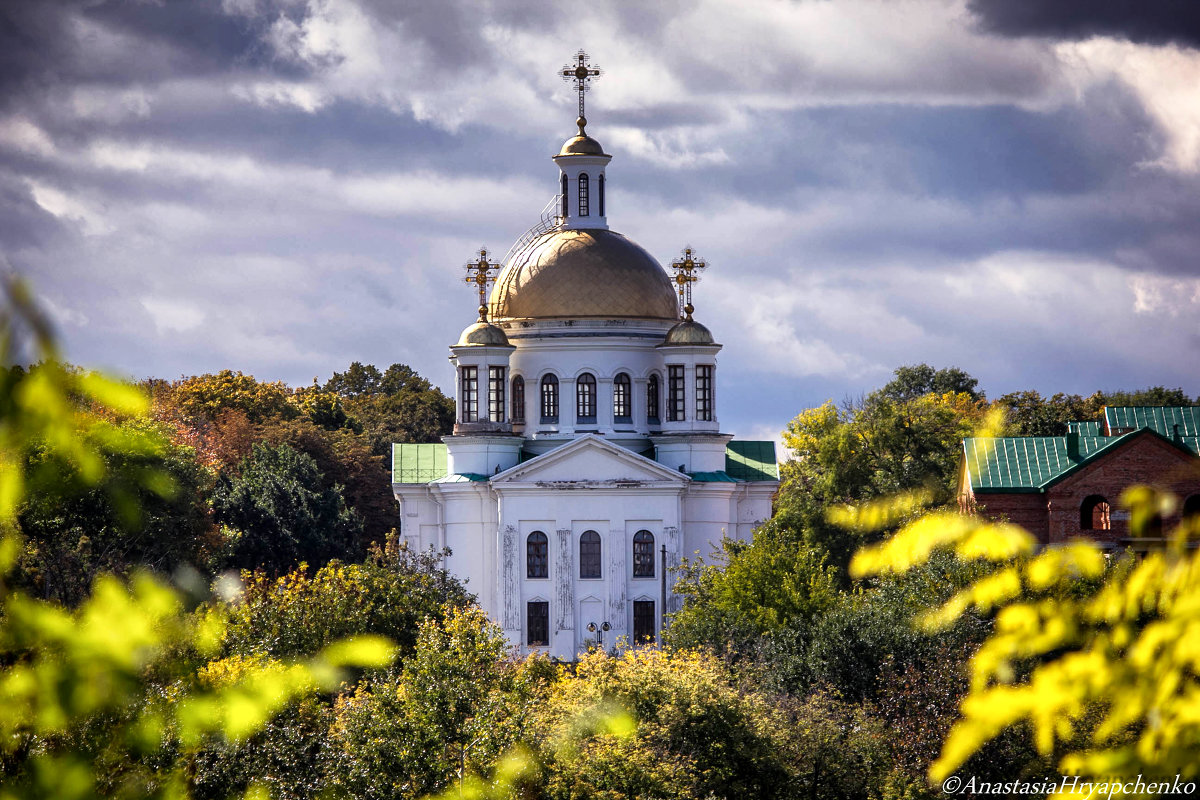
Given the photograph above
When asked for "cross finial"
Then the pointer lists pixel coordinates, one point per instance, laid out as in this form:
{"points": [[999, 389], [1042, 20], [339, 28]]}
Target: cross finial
{"points": [[582, 73], [481, 273], [687, 271]]}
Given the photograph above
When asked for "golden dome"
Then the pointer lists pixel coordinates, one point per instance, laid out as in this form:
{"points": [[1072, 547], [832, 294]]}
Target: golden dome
{"points": [[688, 332], [483, 334], [583, 273], [581, 145]]}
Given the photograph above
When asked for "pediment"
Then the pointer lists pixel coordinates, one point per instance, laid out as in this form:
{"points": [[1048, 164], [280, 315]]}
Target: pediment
{"points": [[590, 460]]}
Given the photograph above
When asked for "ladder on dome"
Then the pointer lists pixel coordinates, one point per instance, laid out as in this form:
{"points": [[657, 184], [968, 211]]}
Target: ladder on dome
{"points": [[548, 221]]}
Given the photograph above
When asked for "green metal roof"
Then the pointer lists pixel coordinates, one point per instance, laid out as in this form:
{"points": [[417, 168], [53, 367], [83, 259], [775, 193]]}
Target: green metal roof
{"points": [[1031, 463], [463, 477], [1160, 419], [418, 463], [719, 476], [751, 461], [1088, 428]]}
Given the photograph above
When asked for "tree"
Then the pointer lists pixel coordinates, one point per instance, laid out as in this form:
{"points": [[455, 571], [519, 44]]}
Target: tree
{"points": [[915, 381], [205, 396], [160, 522], [873, 448], [95, 701], [751, 589], [1096, 660], [279, 515]]}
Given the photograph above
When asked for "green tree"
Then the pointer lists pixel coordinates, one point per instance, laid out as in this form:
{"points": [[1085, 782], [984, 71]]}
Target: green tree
{"points": [[457, 704], [751, 589], [206, 396], [918, 380], [870, 449], [279, 515]]}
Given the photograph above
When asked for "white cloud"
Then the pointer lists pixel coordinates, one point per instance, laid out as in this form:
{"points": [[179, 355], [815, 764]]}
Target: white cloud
{"points": [[172, 316]]}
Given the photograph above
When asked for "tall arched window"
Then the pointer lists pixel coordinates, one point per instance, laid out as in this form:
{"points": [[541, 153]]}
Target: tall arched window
{"points": [[584, 204], [518, 399], [652, 400], [585, 398], [589, 555], [537, 561], [643, 554], [549, 399], [1094, 514], [565, 207], [622, 392], [601, 194]]}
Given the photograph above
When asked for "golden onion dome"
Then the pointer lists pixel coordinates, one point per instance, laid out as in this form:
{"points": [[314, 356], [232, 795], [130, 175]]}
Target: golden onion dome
{"points": [[483, 334], [576, 274], [688, 332]]}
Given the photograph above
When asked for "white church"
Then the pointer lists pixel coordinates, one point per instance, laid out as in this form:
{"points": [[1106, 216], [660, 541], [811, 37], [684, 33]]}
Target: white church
{"points": [[587, 459]]}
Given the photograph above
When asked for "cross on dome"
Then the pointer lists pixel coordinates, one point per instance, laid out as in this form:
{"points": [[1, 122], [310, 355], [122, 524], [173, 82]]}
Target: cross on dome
{"points": [[582, 73], [482, 273], [687, 271]]}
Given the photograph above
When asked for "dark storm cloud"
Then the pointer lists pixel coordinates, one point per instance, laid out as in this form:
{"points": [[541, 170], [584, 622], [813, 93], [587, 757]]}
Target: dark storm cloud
{"points": [[47, 44], [1142, 21]]}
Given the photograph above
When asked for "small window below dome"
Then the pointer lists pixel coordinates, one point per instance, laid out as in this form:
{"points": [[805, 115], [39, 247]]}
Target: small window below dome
{"points": [[549, 399], [585, 398], [675, 405], [496, 382], [518, 399], [468, 394], [584, 203], [565, 208], [622, 391], [652, 400], [704, 392], [600, 180]]}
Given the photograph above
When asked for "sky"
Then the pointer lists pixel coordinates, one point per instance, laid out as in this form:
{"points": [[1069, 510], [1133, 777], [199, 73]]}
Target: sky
{"points": [[282, 187]]}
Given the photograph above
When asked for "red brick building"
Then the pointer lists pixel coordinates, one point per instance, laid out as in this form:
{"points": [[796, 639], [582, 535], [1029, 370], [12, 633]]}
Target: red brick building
{"points": [[1063, 487]]}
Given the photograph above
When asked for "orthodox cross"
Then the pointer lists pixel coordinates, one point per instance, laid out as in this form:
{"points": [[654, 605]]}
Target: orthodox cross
{"points": [[481, 273], [687, 271], [582, 73]]}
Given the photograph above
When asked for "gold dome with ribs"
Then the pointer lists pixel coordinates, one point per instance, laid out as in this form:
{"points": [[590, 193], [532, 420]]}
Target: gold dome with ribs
{"points": [[586, 273]]}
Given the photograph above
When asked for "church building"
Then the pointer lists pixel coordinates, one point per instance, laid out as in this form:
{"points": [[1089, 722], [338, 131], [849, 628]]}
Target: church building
{"points": [[587, 458]]}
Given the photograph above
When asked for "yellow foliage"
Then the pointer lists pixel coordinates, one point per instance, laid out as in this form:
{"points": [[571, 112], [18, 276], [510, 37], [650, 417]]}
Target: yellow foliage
{"points": [[1069, 648]]}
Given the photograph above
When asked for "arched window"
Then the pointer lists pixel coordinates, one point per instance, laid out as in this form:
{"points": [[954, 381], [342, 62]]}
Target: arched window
{"points": [[584, 204], [565, 207], [518, 399], [602, 194], [589, 555], [1191, 508], [643, 554], [537, 623], [1094, 514], [622, 391], [537, 561], [652, 400], [585, 398], [549, 399]]}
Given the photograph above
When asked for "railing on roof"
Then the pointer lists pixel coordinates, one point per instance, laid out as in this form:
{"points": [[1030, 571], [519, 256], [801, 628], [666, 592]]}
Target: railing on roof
{"points": [[547, 221]]}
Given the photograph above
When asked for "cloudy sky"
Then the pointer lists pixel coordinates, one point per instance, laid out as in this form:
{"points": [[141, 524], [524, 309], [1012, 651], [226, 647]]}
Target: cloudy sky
{"points": [[285, 186]]}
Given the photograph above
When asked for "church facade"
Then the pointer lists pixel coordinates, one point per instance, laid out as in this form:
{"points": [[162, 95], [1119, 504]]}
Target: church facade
{"points": [[587, 459]]}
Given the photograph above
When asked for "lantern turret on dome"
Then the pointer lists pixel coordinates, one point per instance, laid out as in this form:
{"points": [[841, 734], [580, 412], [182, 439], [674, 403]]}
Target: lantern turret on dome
{"points": [[581, 162]]}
